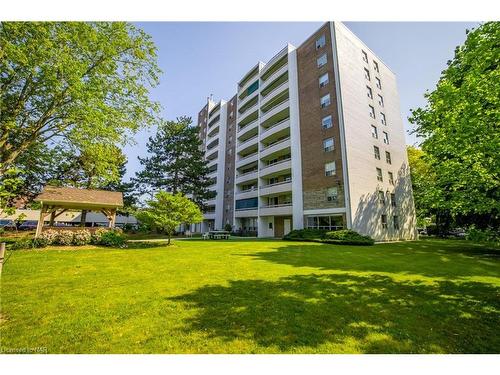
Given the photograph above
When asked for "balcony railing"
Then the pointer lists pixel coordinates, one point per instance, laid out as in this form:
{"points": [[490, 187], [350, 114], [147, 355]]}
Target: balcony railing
{"points": [[275, 143], [246, 173], [277, 205], [246, 209], [277, 163], [275, 184], [247, 157], [274, 125], [240, 128]]}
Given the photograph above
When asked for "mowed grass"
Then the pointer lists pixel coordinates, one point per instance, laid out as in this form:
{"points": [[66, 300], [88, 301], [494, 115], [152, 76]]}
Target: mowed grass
{"points": [[254, 296]]}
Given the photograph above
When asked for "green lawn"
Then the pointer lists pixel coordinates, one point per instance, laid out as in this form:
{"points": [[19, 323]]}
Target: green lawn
{"points": [[249, 296]]}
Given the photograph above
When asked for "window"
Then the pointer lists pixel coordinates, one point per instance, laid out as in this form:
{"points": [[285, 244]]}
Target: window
{"points": [[381, 197], [384, 221], [371, 111], [379, 85], [395, 220], [328, 145], [323, 80], [324, 222], [379, 174], [322, 60], [270, 225], [386, 138], [382, 118], [332, 194], [391, 178], [388, 157], [375, 66], [393, 200], [330, 169], [376, 152], [327, 123], [365, 56], [325, 101], [369, 92], [374, 132], [320, 42], [380, 100], [249, 203], [367, 74]]}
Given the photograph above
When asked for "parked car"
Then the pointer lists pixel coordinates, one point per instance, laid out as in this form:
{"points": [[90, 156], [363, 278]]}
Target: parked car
{"points": [[7, 224], [28, 225], [457, 232]]}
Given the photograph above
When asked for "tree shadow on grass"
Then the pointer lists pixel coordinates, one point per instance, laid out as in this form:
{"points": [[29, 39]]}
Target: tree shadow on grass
{"points": [[343, 313], [427, 258]]}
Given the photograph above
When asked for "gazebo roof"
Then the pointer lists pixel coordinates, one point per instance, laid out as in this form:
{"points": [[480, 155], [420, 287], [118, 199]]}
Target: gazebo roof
{"points": [[79, 198]]}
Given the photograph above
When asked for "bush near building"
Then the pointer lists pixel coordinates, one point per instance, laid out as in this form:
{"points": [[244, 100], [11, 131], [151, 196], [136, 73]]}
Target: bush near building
{"points": [[341, 237]]}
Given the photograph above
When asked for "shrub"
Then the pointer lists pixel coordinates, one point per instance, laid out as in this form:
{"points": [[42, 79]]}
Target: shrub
{"points": [[482, 235], [97, 235], [82, 237], [228, 227], [305, 234], [64, 237], [112, 238], [49, 237], [347, 237], [23, 243]]}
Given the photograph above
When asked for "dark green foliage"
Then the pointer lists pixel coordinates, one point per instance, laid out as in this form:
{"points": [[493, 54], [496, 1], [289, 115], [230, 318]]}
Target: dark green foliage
{"points": [[347, 237], [112, 238], [461, 138], [305, 235], [341, 237], [228, 227], [488, 235], [175, 163]]}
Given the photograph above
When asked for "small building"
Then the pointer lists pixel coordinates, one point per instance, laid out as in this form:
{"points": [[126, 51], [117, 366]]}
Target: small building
{"points": [[56, 201]]}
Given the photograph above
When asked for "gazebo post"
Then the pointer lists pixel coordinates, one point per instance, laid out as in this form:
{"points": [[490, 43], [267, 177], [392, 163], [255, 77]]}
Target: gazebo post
{"points": [[39, 225]]}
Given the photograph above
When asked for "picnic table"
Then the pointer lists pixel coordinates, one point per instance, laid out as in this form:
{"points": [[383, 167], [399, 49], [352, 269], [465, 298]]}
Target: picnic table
{"points": [[218, 235]]}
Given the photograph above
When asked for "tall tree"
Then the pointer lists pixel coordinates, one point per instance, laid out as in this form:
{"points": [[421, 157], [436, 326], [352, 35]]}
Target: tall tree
{"points": [[422, 179], [175, 162], [460, 127], [86, 83]]}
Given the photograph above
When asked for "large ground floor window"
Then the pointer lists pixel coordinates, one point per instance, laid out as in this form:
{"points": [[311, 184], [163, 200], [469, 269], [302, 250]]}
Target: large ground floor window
{"points": [[328, 222]]}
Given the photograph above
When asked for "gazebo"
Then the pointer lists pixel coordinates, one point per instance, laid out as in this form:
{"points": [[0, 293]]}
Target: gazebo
{"points": [[56, 200]]}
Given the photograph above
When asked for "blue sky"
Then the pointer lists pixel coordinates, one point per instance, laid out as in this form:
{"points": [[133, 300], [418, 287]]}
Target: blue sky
{"points": [[203, 58]]}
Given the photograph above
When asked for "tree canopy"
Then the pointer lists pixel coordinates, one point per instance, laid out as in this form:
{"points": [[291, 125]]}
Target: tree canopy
{"points": [[167, 211], [176, 162], [86, 83], [461, 130]]}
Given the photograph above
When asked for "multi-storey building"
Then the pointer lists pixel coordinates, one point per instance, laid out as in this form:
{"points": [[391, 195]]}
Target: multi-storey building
{"points": [[312, 139]]}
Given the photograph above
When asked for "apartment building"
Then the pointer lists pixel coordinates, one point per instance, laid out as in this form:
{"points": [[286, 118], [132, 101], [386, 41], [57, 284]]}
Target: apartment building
{"points": [[312, 139]]}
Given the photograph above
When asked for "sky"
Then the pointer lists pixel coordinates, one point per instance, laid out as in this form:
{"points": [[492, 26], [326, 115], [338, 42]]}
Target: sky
{"points": [[199, 59]]}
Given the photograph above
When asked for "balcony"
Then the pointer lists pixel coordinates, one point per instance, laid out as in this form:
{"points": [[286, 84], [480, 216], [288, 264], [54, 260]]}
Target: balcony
{"points": [[210, 202], [280, 187], [245, 177], [275, 128], [280, 166], [212, 174], [213, 138], [246, 212], [248, 106], [214, 111], [211, 163], [212, 154], [214, 121], [275, 110], [242, 146], [248, 119], [247, 160], [247, 79], [276, 63], [248, 127], [244, 194], [275, 147], [280, 89], [276, 210]]}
